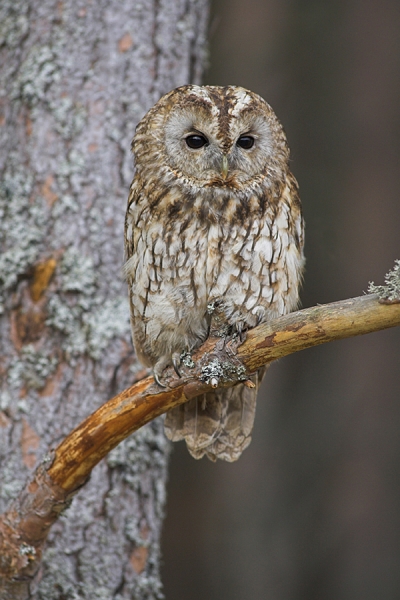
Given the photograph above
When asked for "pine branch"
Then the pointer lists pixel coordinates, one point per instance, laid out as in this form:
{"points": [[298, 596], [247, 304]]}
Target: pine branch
{"points": [[24, 527]]}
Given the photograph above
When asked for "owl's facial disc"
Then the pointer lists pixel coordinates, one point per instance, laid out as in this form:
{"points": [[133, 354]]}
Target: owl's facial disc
{"points": [[219, 143]]}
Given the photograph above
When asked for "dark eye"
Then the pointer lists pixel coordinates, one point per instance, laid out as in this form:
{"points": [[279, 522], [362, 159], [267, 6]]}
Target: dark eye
{"points": [[196, 141], [246, 142]]}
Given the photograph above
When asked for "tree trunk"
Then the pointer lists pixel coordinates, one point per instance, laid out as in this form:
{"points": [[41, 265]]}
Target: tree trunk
{"points": [[76, 78]]}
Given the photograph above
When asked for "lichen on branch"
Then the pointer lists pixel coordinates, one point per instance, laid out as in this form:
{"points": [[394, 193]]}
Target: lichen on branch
{"points": [[390, 292]]}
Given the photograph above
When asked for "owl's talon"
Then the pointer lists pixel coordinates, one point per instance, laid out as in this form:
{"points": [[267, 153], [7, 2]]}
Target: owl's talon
{"points": [[158, 370], [240, 332], [158, 380], [176, 361], [260, 315]]}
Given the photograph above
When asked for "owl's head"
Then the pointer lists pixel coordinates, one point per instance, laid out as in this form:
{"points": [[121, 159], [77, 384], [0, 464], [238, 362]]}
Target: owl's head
{"points": [[212, 136]]}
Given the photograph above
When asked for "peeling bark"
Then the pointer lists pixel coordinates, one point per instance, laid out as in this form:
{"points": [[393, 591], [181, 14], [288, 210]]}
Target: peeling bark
{"points": [[75, 78]]}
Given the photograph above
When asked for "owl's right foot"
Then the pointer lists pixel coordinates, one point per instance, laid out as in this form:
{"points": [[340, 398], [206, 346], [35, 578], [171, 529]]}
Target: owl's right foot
{"points": [[158, 380], [162, 363], [159, 368]]}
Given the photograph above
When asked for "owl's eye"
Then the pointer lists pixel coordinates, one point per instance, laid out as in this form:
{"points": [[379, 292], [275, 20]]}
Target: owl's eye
{"points": [[246, 142], [196, 141]]}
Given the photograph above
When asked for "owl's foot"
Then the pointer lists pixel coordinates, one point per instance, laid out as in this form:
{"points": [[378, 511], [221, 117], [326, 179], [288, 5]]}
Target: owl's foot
{"points": [[162, 363], [232, 325], [241, 327], [158, 380], [228, 320], [219, 324], [159, 368], [232, 341]]}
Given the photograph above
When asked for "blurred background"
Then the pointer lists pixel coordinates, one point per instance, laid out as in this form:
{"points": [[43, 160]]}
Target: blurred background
{"points": [[312, 508]]}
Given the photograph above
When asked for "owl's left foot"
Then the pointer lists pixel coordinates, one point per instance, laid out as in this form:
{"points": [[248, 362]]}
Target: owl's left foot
{"points": [[226, 320], [251, 320]]}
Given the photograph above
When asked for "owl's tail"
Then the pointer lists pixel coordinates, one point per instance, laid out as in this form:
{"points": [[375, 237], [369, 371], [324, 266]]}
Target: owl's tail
{"points": [[217, 424]]}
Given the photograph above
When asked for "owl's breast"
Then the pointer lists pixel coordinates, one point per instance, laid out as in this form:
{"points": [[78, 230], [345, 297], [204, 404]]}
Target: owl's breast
{"points": [[192, 249], [255, 258]]}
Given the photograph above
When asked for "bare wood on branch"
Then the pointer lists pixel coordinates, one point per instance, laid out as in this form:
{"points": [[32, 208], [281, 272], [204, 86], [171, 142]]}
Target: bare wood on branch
{"points": [[24, 527]]}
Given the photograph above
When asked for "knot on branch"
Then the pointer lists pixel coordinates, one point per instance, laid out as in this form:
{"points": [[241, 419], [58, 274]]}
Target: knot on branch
{"points": [[216, 372]]}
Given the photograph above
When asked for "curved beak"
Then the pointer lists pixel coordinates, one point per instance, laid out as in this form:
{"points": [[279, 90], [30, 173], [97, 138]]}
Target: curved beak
{"points": [[224, 167]]}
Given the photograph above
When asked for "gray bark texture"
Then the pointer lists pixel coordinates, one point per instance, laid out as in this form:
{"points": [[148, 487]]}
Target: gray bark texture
{"points": [[75, 78]]}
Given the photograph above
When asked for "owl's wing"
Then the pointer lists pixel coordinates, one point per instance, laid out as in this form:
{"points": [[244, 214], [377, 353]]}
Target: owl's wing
{"points": [[217, 424], [132, 217]]}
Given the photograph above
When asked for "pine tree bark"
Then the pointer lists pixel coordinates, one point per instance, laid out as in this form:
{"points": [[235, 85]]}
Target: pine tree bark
{"points": [[75, 80]]}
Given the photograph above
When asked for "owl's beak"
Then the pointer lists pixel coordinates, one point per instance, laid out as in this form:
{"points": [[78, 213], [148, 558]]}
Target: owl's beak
{"points": [[224, 167]]}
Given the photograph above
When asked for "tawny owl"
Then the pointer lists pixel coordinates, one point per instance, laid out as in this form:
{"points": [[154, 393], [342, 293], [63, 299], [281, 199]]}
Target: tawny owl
{"points": [[213, 218]]}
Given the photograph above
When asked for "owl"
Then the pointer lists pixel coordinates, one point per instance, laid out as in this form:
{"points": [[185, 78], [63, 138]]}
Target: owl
{"points": [[213, 220]]}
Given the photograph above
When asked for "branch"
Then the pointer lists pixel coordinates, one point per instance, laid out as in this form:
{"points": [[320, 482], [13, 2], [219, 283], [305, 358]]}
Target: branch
{"points": [[24, 527]]}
